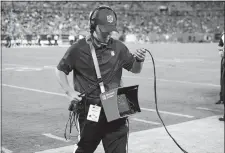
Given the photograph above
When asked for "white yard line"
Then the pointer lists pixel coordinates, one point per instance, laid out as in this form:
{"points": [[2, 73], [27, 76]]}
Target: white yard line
{"points": [[169, 113], [35, 90], [58, 94], [208, 109], [21, 65], [144, 121], [6, 150], [55, 137], [138, 77], [157, 139], [10, 68], [15, 65], [177, 81]]}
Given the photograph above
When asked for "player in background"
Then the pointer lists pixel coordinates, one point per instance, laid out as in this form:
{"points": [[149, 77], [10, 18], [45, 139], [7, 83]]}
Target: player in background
{"points": [[221, 53], [222, 79]]}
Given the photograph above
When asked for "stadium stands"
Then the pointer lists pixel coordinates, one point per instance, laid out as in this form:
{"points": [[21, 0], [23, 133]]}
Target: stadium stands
{"points": [[139, 18]]}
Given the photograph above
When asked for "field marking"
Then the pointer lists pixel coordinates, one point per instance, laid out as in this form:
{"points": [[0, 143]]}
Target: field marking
{"points": [[35, 90], [5, 70], [138, 77], [15, 65], [28, 69], [208, 128], [58, 94], [169, 113], [10, 68], [177, 81], [50, 66], [21, 65], [55, 137], [144, 121], [180, 60], [6, 150], [208, 109], [22, 69], [175, 67]]}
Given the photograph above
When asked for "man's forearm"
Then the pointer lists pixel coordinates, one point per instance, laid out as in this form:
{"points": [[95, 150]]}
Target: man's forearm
{"points": [[137, 67], [221, 51], [63, 81]]}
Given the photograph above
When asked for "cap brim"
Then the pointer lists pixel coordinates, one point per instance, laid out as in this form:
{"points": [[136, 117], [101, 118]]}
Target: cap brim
{"points": [[108, 28]]}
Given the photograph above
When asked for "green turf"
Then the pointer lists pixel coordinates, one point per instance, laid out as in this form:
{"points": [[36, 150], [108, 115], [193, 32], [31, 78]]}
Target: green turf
{"points": [[188, 77]]}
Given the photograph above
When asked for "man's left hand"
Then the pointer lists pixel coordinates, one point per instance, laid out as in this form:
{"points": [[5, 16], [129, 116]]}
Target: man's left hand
{"points": [[221, 53], [140, 55]]}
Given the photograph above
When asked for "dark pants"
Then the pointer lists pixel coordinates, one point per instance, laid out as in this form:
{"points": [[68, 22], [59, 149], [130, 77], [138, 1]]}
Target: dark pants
{"points": [[39, 42], [49, 41], [113, 134], [56, 43], [8, 44]]}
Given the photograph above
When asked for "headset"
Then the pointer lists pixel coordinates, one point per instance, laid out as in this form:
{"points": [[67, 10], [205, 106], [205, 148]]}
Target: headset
{"points": [[92, 21]]}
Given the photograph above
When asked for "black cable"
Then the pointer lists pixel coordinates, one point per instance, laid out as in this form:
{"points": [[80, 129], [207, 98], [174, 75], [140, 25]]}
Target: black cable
{"points": [[74, 118], [69, 121], [156, 104], [127, 133]]}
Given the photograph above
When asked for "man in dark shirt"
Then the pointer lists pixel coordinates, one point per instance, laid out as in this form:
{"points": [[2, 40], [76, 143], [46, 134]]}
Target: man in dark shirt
{"points": [[112, 56], [222, 79]]}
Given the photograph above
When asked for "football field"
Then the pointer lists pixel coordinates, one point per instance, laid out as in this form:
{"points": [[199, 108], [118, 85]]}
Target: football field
{"points": [[35, 109]]}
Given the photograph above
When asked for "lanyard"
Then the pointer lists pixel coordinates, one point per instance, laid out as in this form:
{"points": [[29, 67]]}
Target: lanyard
{"points": [[97, 69]]}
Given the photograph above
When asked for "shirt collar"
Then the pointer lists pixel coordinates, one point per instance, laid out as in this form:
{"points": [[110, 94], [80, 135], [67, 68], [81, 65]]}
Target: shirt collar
{"points": [[97, 45]]}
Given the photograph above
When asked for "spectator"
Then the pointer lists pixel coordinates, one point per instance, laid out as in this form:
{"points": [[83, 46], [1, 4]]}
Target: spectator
{"points": [[39, 40], [56, 37], [142, 17]]}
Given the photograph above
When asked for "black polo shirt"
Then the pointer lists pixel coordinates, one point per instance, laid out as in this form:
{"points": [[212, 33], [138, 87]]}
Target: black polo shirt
{"points": [[111, 58]]}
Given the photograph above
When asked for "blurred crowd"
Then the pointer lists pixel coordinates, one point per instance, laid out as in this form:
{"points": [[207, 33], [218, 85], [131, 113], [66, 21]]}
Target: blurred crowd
{"points": [[139, 18]]}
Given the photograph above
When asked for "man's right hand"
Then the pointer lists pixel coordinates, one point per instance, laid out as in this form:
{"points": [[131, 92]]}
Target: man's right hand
{"points": [[74, 96], [63, 81]]}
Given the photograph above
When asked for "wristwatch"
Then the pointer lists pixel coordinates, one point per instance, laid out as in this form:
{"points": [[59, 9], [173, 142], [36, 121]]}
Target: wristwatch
{"points": [[138, 60]]}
